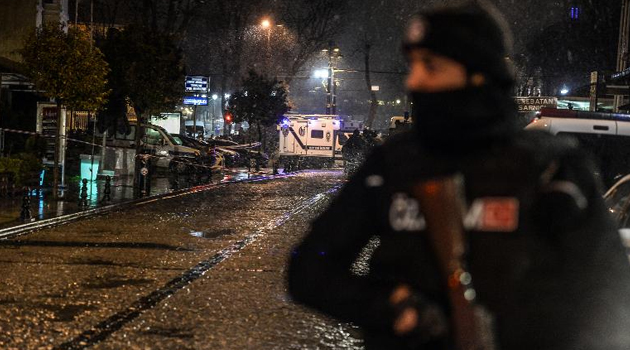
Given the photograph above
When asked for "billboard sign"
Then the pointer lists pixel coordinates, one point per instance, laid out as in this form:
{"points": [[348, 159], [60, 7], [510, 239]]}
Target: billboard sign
{"points": [[49, 131], [195, 101], [196, 83]]}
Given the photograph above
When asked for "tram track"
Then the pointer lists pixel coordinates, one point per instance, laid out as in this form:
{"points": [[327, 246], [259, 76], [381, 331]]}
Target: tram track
{"points": [[109, 326]]}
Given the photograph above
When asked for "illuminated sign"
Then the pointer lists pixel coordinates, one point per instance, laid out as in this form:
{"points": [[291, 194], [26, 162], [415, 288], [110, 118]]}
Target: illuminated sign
{"points": [[534, 104], [196, 83], [195, 101]]}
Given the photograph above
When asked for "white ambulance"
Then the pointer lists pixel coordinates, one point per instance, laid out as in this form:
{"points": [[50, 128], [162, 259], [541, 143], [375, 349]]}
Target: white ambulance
{"points": [[399, 123], [313, 139]]}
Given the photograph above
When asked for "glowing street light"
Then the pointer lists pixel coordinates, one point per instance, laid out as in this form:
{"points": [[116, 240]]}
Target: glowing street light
{"points": [[321, 74], [564, 90], [214, 97], [266, 25]]}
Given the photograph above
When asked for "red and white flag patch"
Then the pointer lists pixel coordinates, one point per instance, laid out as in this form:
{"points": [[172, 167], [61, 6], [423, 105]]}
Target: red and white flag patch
{"points": [[493, 214]]}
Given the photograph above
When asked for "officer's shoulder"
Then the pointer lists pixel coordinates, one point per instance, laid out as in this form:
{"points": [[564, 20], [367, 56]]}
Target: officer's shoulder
{"points": [[544, 143], [395, 150], [399, 142]]}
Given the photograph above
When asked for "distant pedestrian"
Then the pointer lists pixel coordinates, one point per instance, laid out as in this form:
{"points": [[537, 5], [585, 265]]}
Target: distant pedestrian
{"points": [[353, 151], [371, 139]]}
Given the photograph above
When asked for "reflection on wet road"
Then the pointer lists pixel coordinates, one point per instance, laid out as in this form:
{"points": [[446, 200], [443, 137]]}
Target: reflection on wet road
{"points": [[43, 206], [204, 271]]}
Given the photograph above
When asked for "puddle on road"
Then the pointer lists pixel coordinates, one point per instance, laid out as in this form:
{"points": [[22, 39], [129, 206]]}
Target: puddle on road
{"points": [[212, 233], [169, 332], [67, 313], [92, 262], [103, 245], [116, 282]]}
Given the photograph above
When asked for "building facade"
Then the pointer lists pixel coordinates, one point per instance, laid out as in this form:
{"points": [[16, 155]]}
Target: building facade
{"points": [[19, 17], [18, 100]]}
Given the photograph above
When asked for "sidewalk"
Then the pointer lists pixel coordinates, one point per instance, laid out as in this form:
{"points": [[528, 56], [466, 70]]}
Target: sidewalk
{"points": [[43, 206]]}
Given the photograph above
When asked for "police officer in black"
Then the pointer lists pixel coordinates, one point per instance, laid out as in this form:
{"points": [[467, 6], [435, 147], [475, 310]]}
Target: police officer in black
{"points": [[353, 151], [548, 268]]}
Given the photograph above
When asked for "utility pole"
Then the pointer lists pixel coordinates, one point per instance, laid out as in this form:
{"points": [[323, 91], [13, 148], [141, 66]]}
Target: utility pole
{"points": [[194, 132], [622, 47], [331, 93], [329, 90]]}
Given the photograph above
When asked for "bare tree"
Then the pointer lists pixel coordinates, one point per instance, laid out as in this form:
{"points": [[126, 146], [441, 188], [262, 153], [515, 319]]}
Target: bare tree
{"points": [[171, 17], [377, 31], [166, 16], [368, 81], [226, 23], [313, 24]]}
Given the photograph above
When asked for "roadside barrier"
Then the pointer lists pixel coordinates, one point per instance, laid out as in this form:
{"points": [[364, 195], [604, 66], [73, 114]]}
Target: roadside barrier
{"points": [[107, 190], [83, 203], [200, 166], [25, 214]]}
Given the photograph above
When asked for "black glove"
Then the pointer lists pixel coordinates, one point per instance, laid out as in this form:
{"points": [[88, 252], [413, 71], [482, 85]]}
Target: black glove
{"points": [[432, 323]]}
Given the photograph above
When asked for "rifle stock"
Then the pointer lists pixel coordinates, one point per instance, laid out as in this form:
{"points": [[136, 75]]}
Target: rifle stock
{"points": [[443, 205]]}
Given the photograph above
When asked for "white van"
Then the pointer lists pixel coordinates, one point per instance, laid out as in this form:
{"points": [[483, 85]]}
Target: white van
{"points": [[191, 129], [310, 138], [605, 135], [399, 123]]}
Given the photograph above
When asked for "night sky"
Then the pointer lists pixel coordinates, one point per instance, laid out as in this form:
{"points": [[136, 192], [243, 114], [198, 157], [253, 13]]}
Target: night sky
{"points": [[548, 46]]}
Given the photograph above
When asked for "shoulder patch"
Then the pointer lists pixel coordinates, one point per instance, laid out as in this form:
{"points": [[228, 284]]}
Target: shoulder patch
{"points": [[493, 214]]}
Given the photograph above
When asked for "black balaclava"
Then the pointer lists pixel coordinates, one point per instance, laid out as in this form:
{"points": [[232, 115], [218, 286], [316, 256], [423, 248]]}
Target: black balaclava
{"points": [[465, 119]]}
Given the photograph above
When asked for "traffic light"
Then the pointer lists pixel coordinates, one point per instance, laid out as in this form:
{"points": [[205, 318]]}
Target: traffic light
{"points": [[228, 118]]}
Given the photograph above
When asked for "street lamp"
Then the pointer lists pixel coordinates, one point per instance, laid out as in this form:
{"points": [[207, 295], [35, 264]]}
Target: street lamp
{"points": [[331, 93], [321, 74], [214, 110], [266, 24]]}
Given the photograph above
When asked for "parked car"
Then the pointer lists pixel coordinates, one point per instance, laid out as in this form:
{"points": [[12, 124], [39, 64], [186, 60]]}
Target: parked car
{"points": [[211, 156], [241, 155], [605, 135], [222, 142], [618, 201], [157, 142]]}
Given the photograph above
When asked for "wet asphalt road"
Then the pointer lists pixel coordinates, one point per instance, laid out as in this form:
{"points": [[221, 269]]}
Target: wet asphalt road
{"points": [[203, 271]]}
